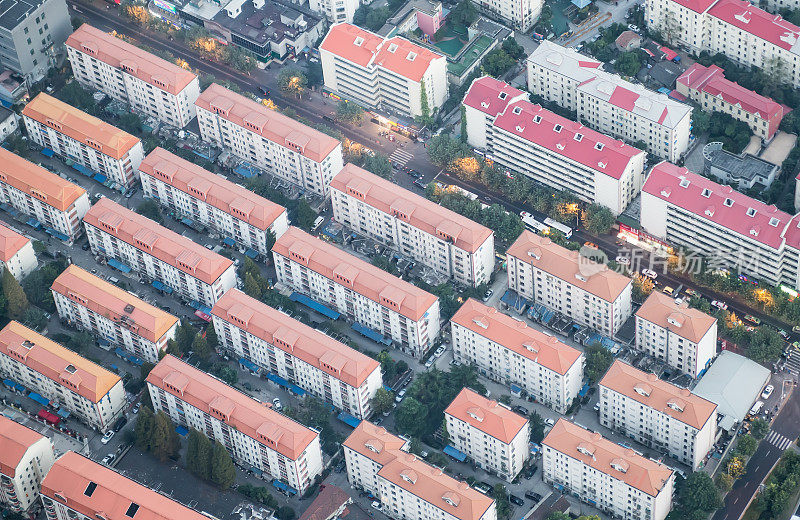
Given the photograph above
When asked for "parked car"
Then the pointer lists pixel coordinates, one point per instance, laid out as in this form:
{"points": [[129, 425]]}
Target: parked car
{"points": [[784, 334], [720, 305], [419, 183], [669, 291], [767, 392], [136, 407], [691, 293], [376, 505], [488, 294], [108, 459], [623, 260], [276, 404], [439, 351], [514, 499], [121, 422], [591, 244], [530, 495], [649, 273], [549, 422], [520, 410], [752, 319], [85, 246], [400, 395], [107, 437], [530, 472]]}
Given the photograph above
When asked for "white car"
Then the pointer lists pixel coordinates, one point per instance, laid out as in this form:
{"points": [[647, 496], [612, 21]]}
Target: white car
{"points": [[720, 305], [376, 505], [549, 422], [767, 392], [400, 395], [649, 273], [623, 260], [430, 361], [439, 351], [108, 459], [276, 404], [107, 437]]}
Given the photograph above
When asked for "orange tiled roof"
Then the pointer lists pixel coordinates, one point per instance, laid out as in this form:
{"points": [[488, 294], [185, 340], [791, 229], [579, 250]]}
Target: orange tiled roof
{"points": [[15, 440], [80, 126], [34, 180], [486, 415], [164, 244], [515, 335], [141, 64], [254, 419], [365, 279], [112, 302], [10, 243], [418, 211], [684, 321]]}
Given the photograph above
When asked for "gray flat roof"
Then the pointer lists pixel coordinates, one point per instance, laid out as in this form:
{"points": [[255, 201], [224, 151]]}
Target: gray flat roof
{"points": [[12, 12], [740, 167], [734, 383]]}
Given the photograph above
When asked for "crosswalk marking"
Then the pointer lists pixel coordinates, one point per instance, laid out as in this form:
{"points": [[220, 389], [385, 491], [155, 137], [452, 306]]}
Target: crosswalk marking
{"points": [[778, 440], [400, 157]]}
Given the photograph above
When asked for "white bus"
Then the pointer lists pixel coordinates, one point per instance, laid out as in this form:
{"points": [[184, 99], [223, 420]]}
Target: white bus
{"points": [[558, 226], [531, 224]]}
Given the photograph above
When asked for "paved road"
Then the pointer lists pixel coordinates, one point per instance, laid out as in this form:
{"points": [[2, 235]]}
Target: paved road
{"points": [[785, 430]]}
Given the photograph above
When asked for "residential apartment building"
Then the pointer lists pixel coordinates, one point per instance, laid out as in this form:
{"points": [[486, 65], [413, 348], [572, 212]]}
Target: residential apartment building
{"points": [[88, 391], [489, 433], [32, 35], [110, 153], [90, 303], [57, 205], [566, 282], [714, 221], [672, 332], [407, 487], [658, 414], [77, 488], [149, 84], [519, 14], [16, 253], [608, 103], [389, 74], [174, 263], [507, 350], [9, 122], [415, 226], [25, 459], [268, 139], [211, 200], [550, 149], [336, 11], [301, 355], [708, 87], [255, 435], [614, 479], [361, 291], [739, 30]]}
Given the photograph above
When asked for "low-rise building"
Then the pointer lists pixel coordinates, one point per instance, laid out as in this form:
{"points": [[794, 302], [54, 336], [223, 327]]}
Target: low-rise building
{"points": [[256, 435], [16, 253], [361, 291], [628, 41], [112, 154], [268, 139], [9, 122], [519, 14], [303, 356], [56, 204], [657, 414], [406, 486], [149, 84], [614, 479], [682, 337], [25, 459], [88, 391], [417, 227], [209, 199], [712, 220], [608, 103], [551, 149], [708, 87], [90, 303], [489, 433], [392, 74], [744, 171], [77, 488], [564, 281], [507, 350], [174, 263]]}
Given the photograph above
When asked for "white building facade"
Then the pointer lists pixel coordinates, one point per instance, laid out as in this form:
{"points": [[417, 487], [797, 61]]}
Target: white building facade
{"points": [[26, 458], [551, 149], [494, 437], [364, 293], [336, 11], [616, 480], [268, 139], [302, 355], [72, 134], [254, 434], [390, 74], [90, 303], [212, 201], [508, 351], [657, 414], [423, 230], [562, 280], [149, 84], [131, 242], [16, 253]]}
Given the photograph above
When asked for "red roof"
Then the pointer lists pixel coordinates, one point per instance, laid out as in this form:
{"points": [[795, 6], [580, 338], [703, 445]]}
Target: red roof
{"points": [[668, 53], [745, 16], [624, 98], [490, 96], [560, 135], [698, 6], [363, 48], [765, 226]]}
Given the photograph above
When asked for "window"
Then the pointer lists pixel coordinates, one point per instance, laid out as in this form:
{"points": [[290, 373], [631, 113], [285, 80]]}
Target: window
{"points": [[599, 146], [557, 128], [728, 203], [359, 41], [706, 193], [751, 212], [502, 95], [579, 137], [517, 110], [90, 489], [684, 183]]}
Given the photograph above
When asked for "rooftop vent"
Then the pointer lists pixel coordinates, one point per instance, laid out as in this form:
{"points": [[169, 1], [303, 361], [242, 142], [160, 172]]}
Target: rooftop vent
{"points": [[728, 202]]}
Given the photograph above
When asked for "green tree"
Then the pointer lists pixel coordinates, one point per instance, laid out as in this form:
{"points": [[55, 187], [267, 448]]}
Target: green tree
{"points": [[239, 58], [628, 63], [347, 112], [537, 427], [697, 498], [424, 119], [259, 494], [145, 422], [379, 164], [513, 49], [463, 14], [285, 513], [164, 443], [411, 417], [211, 337], [16, 301], [382, 401], [765, 345], [444, 149], [598, 361], [500, 496], [251, 287], [34, 318], [599, 219], [150, 209], [184, 336], [293, 82], [200, 348], [759, 428], [198, 454], [701, 121], [558, 515], [223, 471], [497, 63], [746, 445], [304, 216], [376, 17]]}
